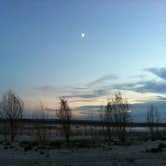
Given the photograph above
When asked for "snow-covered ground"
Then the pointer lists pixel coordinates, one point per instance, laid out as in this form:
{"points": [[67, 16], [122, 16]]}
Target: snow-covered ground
{"points": [[133, 155]]}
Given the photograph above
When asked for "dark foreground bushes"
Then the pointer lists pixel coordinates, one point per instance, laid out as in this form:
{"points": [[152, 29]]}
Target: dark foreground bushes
{"points": [[57, 144], [159, 148]]}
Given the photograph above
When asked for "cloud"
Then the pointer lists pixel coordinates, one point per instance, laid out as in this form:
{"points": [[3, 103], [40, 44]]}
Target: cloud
{"points": [[161, 98], [152, 86], [143, 86], [51, 110], [160, 72], [83, 92], [90, 94], [88, 112], [102, 80]]}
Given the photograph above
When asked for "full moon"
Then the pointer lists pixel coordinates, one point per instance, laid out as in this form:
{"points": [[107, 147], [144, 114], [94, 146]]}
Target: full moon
{"points": [[82, 35]]}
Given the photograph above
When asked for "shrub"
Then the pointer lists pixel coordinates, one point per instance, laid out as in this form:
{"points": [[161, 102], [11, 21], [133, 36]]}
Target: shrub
{"points": [[154, 150], [161, 146]]}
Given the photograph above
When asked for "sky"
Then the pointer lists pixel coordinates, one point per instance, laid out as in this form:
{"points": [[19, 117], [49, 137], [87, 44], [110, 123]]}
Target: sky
{"points": [[85, 50]]}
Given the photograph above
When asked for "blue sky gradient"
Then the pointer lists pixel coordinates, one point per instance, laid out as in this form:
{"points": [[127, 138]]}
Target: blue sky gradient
{"points": [[41, 48]]}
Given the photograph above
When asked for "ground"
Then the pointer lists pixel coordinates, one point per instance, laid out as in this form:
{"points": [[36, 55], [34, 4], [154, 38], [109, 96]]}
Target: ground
{"points": [[134, 155]]}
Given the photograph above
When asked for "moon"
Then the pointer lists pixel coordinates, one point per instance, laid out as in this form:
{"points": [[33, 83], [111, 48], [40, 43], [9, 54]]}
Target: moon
{"points": [[82, 35]]}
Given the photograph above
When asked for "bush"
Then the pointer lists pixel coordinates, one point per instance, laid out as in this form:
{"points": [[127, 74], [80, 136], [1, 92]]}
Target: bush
{"points": [[41, 152], [131, 160], [161, 146], [57, 145], [154, 150], [6, 147], [28, 148]]}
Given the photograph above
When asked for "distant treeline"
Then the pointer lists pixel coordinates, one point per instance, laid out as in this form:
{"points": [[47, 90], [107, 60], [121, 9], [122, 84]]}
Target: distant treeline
{"points": [[83, 122]]}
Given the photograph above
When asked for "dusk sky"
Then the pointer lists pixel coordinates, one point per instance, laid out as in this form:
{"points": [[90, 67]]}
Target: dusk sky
{"points": [[83, 49]]}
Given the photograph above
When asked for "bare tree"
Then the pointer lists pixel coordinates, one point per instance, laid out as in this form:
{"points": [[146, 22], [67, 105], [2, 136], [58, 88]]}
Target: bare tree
{"points": [[11, 110], [101, 117], [40, 130], [108, 119], [117, 112], [64, 114], [153, 118]]}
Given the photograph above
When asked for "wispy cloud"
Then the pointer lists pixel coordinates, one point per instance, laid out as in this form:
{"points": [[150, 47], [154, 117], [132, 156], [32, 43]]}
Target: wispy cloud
{"points": [[100, 88], [160, 72], [89, 94], [143, 86], [152, 86], [102, 80]]}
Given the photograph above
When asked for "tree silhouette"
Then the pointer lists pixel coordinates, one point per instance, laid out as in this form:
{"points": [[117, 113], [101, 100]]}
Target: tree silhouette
{"points": [[11, 110], [117, 112], [39, 128], [153, 118], [108, 118], [64, 114]]}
